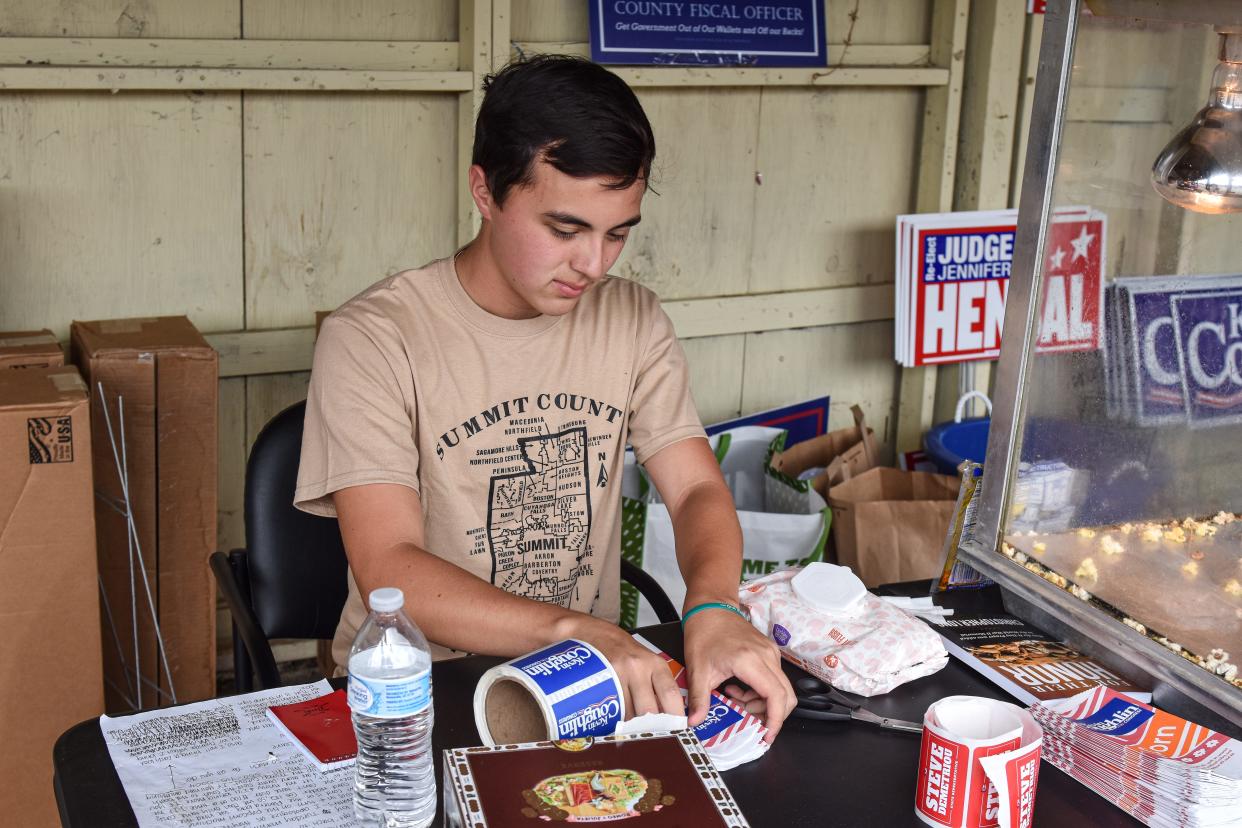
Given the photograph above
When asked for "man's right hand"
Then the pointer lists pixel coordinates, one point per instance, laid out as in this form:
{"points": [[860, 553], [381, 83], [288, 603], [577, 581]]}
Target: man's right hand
{"points": [[647, 683]]}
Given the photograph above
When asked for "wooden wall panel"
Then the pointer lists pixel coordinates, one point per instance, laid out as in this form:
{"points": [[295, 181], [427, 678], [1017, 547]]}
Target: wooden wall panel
{"points": [[268, 396], [852, 363], [114, 206], [880, 21], [233, 449], [342, 190], [549, 20], [336, 20], [716, 364], [838, 166], [695, 239], [120, 18]]}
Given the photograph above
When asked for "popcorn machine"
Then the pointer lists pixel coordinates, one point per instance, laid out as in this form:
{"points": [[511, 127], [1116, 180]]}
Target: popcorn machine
{"points": [[1111, 503]]}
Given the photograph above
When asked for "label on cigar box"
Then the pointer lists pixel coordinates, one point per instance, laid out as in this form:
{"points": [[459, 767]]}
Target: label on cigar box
{"points": [[666, 779]]}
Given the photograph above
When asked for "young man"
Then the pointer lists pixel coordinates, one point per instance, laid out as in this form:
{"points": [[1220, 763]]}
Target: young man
{"points": [[467, 421]]}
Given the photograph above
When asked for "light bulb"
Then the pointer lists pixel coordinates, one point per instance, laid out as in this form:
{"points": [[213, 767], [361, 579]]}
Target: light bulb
{"points": [[1201, 168]]}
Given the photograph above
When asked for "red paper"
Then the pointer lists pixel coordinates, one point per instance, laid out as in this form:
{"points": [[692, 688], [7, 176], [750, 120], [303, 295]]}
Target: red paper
{"points": [[320, 727]]}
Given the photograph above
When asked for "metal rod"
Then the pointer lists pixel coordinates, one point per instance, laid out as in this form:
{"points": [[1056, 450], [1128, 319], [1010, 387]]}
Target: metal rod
{"points": [[1026, 282]]}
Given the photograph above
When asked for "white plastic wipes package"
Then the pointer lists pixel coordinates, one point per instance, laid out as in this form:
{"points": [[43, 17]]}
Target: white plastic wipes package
{"points": [[869, 651]]}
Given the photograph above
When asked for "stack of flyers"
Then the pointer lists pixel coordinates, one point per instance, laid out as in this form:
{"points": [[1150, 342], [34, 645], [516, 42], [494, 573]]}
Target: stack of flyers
{"points": [[1161, 769], [1174, 344], [952, 276], [729, 734]]}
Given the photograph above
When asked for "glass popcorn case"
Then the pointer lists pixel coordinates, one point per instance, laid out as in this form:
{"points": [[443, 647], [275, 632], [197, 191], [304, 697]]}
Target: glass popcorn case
{"points": [[1111, 502]]}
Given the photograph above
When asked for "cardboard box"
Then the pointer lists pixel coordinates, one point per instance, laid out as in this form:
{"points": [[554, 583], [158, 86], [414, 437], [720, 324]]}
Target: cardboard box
{"points": [[889, 525], [30, 349], [49, 595], [159, 386]]}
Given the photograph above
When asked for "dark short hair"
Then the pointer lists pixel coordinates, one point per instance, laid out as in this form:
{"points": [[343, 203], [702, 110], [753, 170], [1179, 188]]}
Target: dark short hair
{"points": [[576, 115]]}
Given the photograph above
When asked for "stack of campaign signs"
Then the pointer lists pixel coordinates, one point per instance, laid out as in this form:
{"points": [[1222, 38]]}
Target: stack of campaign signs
{"points": [[1161, 769], [952, 274], [1175, 350]]}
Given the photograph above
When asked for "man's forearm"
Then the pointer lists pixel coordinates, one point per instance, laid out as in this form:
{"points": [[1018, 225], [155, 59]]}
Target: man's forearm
{"points": [[458, 610], [709, 544]]}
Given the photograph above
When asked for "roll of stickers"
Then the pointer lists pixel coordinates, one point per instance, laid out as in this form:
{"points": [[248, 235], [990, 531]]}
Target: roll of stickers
{"points": [[566, 691], [979, 764]]}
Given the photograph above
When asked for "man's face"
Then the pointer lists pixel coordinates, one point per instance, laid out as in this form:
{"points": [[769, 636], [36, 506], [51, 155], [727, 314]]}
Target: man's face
{"points": [[556, 238]]}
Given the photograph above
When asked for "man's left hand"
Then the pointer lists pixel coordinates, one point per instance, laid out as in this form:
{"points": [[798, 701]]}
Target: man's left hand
{"points": [[720, 645]]}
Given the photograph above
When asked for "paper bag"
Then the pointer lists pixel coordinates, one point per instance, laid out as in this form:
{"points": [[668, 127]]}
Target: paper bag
{"points": [[889, 525], [841, 454]]}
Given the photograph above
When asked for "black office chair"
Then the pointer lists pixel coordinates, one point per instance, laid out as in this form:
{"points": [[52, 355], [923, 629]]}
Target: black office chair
{"points": [[290, 580]]}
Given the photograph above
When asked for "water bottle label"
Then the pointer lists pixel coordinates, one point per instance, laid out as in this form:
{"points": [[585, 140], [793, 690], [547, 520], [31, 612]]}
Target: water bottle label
{"points": [[390, 698]]}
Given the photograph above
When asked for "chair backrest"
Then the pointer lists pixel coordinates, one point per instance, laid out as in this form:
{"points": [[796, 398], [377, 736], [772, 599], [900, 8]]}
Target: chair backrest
{"points": [[296, 561]]}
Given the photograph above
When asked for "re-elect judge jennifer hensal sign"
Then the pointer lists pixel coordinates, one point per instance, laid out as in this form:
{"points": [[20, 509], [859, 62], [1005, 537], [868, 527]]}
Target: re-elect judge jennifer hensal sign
{"points": [[953, 275], [738, 32]]}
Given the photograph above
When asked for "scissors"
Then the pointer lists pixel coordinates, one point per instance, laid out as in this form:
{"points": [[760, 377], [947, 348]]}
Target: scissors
{"points": [[817, 700]]}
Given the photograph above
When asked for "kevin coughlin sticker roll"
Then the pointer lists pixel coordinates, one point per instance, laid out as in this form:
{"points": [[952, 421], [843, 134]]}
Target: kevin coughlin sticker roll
{"points": [[566, 691]]}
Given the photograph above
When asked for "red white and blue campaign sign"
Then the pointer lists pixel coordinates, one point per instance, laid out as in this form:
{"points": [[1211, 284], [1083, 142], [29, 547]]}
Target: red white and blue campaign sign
{"points": [[737, 33], [953, 275]]}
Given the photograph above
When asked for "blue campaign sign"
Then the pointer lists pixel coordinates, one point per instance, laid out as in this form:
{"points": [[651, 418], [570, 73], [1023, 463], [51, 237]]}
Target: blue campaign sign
{"points": [[1209, 342], [737, 33], [1158, 389], [802, 420]]}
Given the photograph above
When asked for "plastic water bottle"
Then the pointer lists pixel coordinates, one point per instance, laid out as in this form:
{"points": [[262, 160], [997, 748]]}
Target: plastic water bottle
{"points": [[390, 699]]}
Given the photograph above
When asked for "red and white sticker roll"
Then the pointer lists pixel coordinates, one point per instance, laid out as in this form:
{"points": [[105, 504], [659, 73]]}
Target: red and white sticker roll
{"points": [[979, 764]]}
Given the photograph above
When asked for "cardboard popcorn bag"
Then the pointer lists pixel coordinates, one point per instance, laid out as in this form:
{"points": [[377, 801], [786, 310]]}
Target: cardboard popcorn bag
{"points": [[889, 525]]}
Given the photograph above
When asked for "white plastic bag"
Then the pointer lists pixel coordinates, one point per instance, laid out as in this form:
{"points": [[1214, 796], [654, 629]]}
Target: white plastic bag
{"points": [[784, 522]]}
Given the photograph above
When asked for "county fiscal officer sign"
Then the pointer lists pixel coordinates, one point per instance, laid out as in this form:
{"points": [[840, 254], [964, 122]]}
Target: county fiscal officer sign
{"points": [[741, 32]]}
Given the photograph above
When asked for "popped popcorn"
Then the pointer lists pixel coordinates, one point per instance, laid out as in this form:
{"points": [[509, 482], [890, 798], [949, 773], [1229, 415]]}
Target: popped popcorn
{"points": [[1087, 570], [1110, 547]]}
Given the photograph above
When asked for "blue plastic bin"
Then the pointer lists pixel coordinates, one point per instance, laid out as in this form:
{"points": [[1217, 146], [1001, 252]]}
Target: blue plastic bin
{"points": [[948, 444]]}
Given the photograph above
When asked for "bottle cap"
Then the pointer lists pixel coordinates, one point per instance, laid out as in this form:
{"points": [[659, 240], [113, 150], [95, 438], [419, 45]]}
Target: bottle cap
{"points": [[387, 599]]}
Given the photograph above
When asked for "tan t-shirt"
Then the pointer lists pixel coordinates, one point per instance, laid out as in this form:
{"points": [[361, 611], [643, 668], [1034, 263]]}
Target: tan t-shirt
{"points": [[512, 431]]}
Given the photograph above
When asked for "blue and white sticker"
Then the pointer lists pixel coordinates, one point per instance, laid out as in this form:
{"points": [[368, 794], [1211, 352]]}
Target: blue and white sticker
{"points": [[720, 718], [390, 698], [561, 665], [595, 711], [573, 685]]}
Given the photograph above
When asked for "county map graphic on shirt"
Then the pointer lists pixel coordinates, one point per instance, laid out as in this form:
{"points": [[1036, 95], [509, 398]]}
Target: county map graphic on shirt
{"points": [[534, 516]]}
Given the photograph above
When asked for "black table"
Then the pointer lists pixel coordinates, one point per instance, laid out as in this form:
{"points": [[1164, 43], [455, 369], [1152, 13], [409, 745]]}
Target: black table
{"points": [[816, 774]]}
